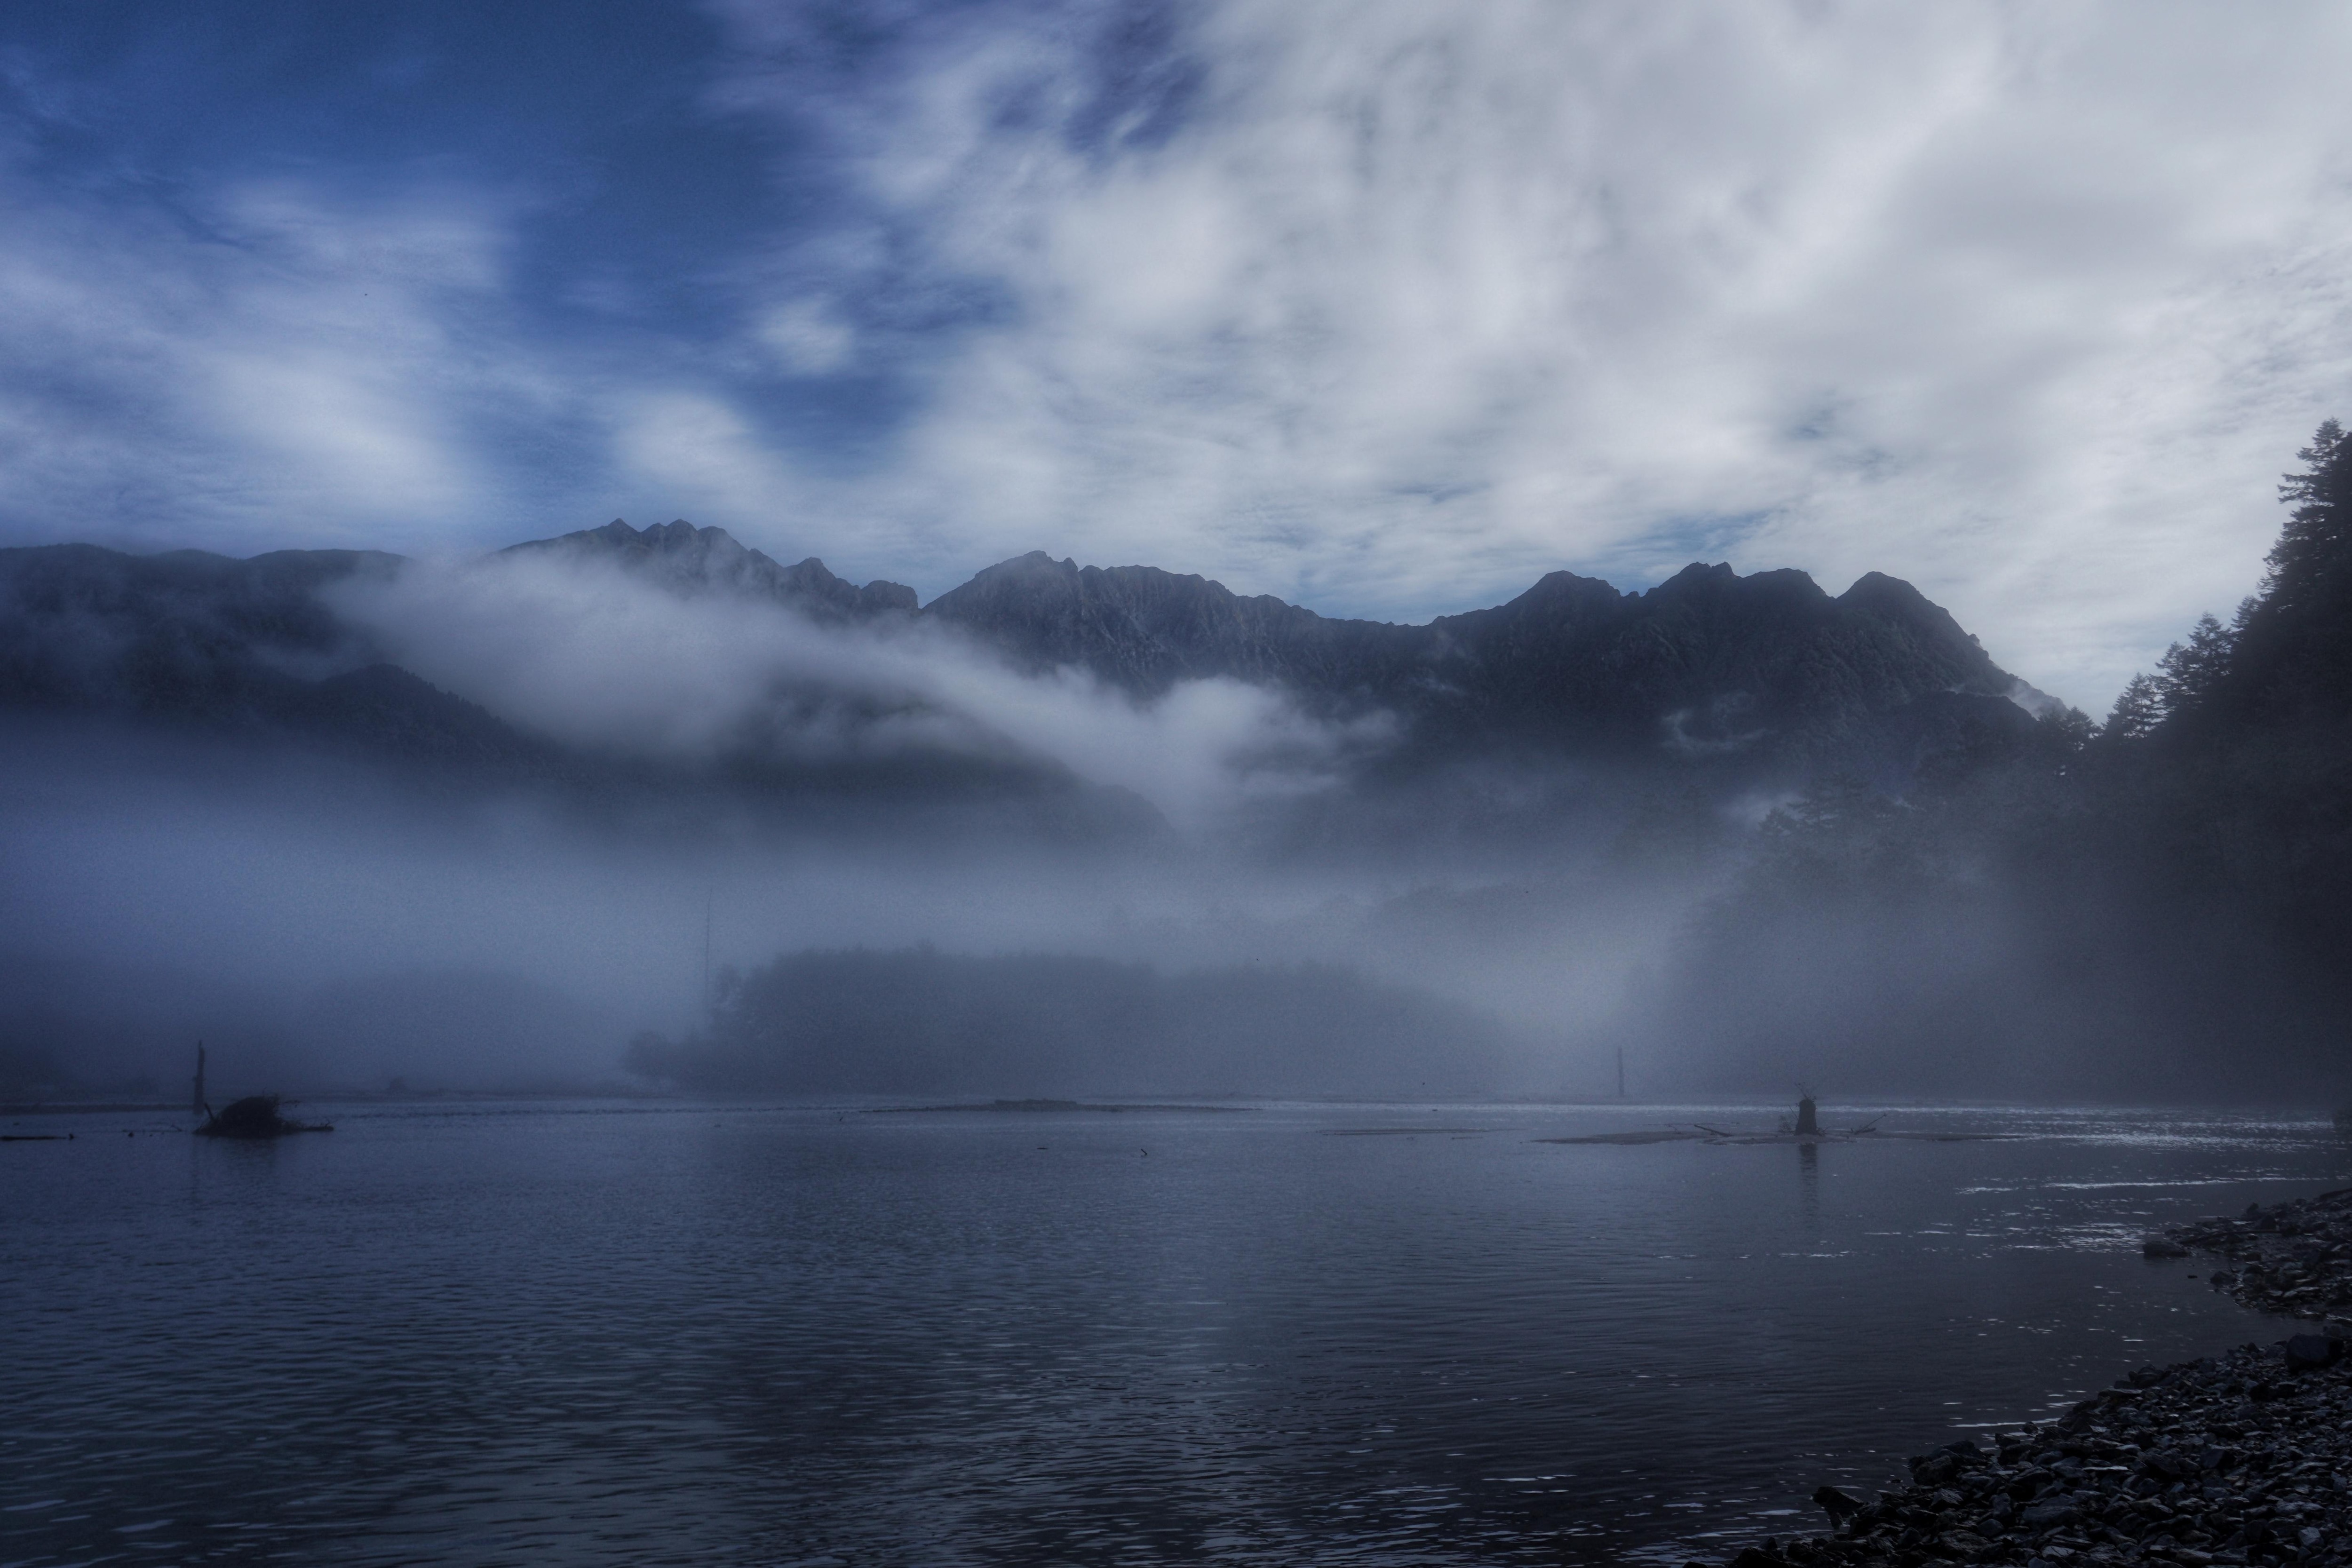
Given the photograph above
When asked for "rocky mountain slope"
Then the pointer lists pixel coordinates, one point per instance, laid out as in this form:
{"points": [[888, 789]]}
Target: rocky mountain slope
{"points": [[1707, 663], [1756, 676], [689, 559]]}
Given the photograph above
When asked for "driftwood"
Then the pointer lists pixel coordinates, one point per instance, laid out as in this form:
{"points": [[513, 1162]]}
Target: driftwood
{"points": [[255, 1116]]}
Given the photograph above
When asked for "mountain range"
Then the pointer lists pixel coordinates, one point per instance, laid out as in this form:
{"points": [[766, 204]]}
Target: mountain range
{"points": [[1708, 675]]}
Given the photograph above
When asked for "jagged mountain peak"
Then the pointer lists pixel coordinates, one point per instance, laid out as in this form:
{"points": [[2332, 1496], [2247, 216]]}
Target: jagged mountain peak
{"points": [[1892, 600], [1139, 628], [1034, 562], [691, 559], [1783, 589], [675, 542], [1572, 661], [1764, 671]]}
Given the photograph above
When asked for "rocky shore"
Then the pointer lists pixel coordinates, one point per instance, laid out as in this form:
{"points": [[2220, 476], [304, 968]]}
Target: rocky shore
{"points": [[2243, 1458], [2295, 1257]]}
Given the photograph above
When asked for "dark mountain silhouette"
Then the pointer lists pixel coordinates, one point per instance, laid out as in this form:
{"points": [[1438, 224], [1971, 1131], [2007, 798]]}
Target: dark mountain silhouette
{"points": [[695, 559], [1706, 664], [1968, 889], [185, 634], [199, 644], [1728, 676], [2165, 900]]}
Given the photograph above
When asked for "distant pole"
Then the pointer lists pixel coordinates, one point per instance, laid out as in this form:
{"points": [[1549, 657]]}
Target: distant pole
{"points": [[197, 1108], [707, 900], [1620, 1072]]}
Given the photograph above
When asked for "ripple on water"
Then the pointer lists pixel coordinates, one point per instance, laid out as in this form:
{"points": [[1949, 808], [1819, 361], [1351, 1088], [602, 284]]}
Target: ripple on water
{"points": [[654, 1333]]}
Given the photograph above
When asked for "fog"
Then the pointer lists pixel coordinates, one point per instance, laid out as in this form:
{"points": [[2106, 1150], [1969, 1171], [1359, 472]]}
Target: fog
{"points": [[348, 931], [589, 654], [328, 920], [784, 853]]}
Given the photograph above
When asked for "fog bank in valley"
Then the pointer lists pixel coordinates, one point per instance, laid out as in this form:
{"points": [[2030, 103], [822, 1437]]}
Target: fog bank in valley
{"points": [[323, 926], [597, 657], [483, 824], [325, 919]]}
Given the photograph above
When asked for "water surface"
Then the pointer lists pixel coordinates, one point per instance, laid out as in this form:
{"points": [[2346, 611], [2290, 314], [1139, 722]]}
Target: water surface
{"points": [[631, 1334]]}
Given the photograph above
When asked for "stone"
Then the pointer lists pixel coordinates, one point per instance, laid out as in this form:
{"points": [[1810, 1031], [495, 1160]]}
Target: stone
{"points": [[2308, 1353], [2225, 1460], [2159, 1245]]}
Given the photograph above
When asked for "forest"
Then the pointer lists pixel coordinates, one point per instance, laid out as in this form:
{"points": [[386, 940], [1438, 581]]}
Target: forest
{"points": [[919, 1021], [2159, 903]]}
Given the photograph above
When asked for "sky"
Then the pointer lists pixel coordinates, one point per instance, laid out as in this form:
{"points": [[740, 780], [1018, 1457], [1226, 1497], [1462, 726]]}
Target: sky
{"points": [[1386, 308]]}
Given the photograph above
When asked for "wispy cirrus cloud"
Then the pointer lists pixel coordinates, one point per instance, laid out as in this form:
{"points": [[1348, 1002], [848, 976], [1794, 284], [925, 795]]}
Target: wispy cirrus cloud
{"points": [[275, 367]]}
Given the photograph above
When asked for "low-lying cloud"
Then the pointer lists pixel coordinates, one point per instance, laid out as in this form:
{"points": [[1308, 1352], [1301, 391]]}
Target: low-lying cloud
{"points": [[583, 652]]}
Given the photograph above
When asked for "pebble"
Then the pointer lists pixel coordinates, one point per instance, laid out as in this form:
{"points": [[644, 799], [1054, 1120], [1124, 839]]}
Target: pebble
{"points": [[2239, 1459]]}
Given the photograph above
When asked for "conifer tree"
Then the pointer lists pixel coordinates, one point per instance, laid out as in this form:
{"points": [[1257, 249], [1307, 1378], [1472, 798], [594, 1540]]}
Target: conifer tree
{"points": [[2312, 547], [2294, 649], [2191, 672], [2136, 713]]}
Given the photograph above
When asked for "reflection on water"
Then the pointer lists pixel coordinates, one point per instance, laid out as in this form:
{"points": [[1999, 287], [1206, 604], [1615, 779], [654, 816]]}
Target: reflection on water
{"points": [[666, 1333], [1809, 1183]]}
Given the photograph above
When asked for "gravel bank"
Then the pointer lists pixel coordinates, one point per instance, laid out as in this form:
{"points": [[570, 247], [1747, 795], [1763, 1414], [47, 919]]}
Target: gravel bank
{"points": [[2243, 1458], [2295, 1257]]}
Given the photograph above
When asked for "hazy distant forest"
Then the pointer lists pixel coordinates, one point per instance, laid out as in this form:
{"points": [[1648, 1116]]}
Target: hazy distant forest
{"points": [[929, 1022]]}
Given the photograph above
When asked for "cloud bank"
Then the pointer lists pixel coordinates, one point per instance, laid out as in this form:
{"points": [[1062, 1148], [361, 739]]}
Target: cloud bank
{"points": [[582, 651]]}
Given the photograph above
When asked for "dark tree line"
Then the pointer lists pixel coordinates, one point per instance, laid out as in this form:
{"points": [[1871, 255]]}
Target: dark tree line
{"points": [[919, 1022], [2160, 905]]}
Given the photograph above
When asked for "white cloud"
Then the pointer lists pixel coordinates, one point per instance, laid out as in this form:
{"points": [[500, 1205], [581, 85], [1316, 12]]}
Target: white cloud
{"points": [[1412, 304], [808, 337], [2027, 305], [588, 653], [283, 369], [707, 457]]}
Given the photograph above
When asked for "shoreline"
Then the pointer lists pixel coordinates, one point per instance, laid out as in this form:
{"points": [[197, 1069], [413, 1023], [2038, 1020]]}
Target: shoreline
{"points": [[2242, 1458]]}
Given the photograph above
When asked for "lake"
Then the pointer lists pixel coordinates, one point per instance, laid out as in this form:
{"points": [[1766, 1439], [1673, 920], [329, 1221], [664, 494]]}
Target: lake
{"points": [[637, 1332]]}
